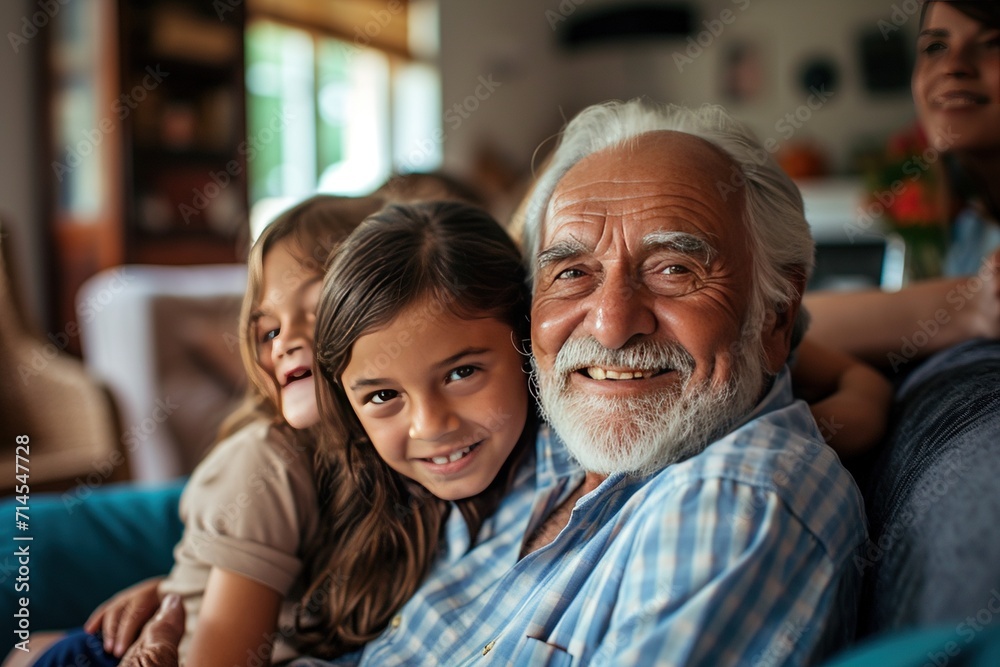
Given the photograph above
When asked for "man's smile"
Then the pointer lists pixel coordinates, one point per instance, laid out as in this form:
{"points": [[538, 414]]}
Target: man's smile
{"points": [[600, 373]]}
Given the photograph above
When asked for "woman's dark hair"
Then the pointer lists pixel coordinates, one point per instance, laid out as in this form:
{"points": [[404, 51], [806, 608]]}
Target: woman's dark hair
{"points": [[986, 12], [384, 530]]}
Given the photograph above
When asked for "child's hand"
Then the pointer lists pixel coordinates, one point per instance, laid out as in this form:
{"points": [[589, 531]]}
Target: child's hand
{"points": [[121, 618], [854, 423], [849, 399]]}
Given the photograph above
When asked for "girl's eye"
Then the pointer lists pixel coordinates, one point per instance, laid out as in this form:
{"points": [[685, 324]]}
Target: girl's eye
{"points": [[461, 373], [269, 336], [383, 396], [933, 47]]}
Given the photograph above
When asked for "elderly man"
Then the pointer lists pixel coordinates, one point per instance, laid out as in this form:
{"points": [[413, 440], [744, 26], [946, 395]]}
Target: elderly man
{"points": [[688, 511]]}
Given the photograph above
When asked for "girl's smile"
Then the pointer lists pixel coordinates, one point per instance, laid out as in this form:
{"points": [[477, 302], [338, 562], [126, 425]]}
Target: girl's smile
{"points": [[457, 460], [442, 398]]}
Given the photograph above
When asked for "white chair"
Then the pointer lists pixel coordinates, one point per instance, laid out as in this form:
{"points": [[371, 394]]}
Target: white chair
{"points": [[164, 340]]}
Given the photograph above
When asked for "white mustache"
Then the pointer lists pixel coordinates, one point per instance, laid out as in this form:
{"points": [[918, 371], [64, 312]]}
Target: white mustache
{"points": [[578, 353]]}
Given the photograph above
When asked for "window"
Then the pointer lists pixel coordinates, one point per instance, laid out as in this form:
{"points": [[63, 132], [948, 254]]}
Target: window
{"points": [[326, 115]]}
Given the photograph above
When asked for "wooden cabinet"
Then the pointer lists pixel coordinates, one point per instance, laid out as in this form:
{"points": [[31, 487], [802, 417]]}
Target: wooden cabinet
{"points": [[146, 127]]}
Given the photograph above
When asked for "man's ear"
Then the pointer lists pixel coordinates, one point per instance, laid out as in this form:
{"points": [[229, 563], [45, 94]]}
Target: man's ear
{"points": [[779, 324]]}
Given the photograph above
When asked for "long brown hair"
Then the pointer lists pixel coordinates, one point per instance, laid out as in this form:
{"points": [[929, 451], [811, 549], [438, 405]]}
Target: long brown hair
{"points": [[987, 13], [383, 529], [316, 226]]}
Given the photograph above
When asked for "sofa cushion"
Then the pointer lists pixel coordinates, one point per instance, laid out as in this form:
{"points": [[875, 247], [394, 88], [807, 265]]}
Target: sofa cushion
{"points": [[89, 544], [933, 497]]}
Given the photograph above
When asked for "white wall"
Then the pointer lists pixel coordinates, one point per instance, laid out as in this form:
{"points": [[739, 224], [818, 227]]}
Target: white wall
{"points": [[540, 84], [19, 155], [507, 42]]}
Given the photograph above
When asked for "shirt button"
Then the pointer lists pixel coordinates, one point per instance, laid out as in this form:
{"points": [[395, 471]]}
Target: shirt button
{"points": [[489, 647], [396, 622]]}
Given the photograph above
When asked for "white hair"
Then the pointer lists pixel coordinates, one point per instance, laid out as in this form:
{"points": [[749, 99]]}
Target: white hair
{"points": [[781, 244]]}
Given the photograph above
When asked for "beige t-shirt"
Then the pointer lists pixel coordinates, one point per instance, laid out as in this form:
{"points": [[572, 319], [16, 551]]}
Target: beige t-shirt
{"points": [[250, 507]]}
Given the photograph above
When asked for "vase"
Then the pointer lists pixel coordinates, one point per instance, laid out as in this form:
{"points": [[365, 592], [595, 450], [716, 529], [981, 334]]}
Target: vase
{"points": [[924, 251]]}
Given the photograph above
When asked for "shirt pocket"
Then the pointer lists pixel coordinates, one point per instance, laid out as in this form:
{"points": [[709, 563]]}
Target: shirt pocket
{"points": [[538, 653]]}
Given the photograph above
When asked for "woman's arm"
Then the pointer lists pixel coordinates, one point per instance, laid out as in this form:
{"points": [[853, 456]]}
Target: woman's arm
{"points": [[238, 619], [849, 399], [872, 325], [887, 329]]}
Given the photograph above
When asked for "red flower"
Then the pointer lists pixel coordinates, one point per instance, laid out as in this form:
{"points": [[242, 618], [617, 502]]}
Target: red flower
{"points": [[913, 206]]}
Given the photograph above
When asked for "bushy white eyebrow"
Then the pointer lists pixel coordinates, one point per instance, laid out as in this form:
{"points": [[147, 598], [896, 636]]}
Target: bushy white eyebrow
{"points": [[681, 242], [559, 251]]}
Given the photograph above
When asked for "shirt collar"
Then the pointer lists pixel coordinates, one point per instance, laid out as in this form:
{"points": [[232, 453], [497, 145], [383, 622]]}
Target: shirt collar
{"points": [[778, 396]]}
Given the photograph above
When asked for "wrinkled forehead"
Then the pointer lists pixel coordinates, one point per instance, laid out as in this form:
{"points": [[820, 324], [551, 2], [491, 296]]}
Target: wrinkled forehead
{"points": [[670, 175]]}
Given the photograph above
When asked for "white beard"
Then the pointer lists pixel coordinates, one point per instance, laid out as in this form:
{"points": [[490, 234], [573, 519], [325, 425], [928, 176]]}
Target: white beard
{"points": [[644, 434]]}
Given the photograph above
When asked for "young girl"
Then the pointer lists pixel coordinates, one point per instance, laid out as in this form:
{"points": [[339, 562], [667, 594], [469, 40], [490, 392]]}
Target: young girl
{"points": [[421, 335], [425, 304], [250, 508]]}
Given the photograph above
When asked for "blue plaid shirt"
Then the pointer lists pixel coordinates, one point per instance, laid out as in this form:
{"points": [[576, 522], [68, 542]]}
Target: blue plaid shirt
{"points": [[741, 555]]}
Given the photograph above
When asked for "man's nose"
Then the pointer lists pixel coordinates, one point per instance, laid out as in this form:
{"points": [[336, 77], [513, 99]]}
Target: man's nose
{"points": [[620, 310], [431, 419]]}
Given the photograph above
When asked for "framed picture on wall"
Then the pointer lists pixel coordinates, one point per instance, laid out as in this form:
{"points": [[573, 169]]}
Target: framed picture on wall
{"points": [[742, 78]]}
